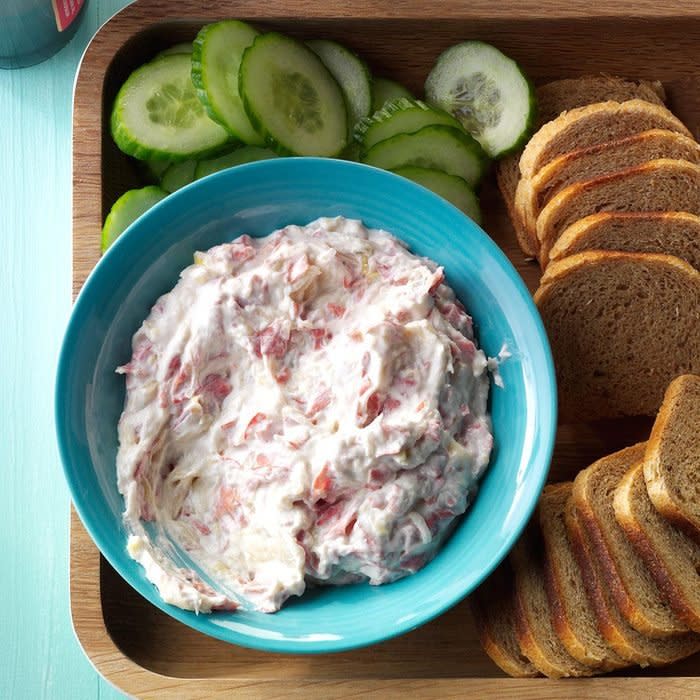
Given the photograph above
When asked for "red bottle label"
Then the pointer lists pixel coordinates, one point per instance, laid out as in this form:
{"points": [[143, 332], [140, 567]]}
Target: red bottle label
{"points": [[66, 11]]}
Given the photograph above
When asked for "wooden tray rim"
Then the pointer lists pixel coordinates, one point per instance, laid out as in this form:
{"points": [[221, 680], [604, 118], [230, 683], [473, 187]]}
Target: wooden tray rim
{"points": [[85, 600], [130, 677]]}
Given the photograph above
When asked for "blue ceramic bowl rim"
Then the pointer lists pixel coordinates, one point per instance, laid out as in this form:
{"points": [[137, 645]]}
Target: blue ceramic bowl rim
{"points": [[109, 549]]}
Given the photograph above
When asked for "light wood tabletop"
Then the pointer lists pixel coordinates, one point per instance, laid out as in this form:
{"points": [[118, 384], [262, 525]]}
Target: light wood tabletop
{"points": [[39, 654]]}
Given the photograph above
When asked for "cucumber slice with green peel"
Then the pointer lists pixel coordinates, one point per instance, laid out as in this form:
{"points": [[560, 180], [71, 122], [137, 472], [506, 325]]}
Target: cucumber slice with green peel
{"points": [[351, 73], [438, 147], [450, 187], [157, 114], [292, 98], [402, 116], [385, 90], [184, 47], [216, 59], [244, 154], [178, 175], [127, 209], [487, 92]]}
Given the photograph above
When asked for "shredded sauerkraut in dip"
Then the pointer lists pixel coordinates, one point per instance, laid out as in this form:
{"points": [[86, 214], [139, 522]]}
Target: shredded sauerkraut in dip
{"points": [[308, 407]]}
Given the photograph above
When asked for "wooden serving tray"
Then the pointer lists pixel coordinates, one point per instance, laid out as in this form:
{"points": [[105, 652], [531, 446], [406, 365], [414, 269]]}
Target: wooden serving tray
{"points": [[145, 652]]}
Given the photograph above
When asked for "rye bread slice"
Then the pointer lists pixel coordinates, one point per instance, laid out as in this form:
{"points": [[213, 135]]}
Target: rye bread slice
{"points": [[533, 616], [554, 98], [492, 607], [672, 459], [625, 640], [657, 185], [594, 124], [534, 193], [672, 557], [572, 614], [623, 571], [670, 232], [621, 326]]}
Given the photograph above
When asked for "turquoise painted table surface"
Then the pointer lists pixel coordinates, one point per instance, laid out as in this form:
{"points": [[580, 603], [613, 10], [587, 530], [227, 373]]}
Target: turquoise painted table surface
{"points": [[39, 654]]}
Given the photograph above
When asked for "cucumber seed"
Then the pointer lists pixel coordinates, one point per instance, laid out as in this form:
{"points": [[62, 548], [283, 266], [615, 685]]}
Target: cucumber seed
{"points": [[477, 103], [176, 104], [297, 99]]}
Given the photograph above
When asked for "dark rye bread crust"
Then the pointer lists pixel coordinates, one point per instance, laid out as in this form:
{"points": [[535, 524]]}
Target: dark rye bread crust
{"points": [[622, 571], [533, 622], [669, 232], [626, 641], [572, 615], [593, 124], [607, 157], [621, 327], [664, 184], [673, 559], [595, 161], [672, 459], [554, 98], [492, 607]]}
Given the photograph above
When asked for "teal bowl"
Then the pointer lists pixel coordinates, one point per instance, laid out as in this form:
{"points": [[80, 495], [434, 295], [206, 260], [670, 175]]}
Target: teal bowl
{"points": [[257, 199]]}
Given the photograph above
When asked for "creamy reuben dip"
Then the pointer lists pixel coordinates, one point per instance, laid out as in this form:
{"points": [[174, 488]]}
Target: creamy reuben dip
{"points": [[304, 408]]}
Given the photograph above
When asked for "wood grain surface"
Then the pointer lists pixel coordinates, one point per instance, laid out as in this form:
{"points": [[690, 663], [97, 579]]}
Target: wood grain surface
{"points": [[144, 651]]}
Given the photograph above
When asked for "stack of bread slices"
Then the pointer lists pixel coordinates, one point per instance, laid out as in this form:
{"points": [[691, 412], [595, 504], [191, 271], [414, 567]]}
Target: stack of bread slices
{"points": [[607, 575], [606, 195]]}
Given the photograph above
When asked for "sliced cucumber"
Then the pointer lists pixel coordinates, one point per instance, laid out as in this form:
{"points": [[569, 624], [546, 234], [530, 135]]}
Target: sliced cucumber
{"points": [[155, 168], [244, 154], [216, 59], [127, 209], [450, 187], [402, 116], [352, 152], [352, 75], [292, 98], [157, 114], [437, 147], [184, 47], [385, 90], [487, 92], [178, 175]]}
